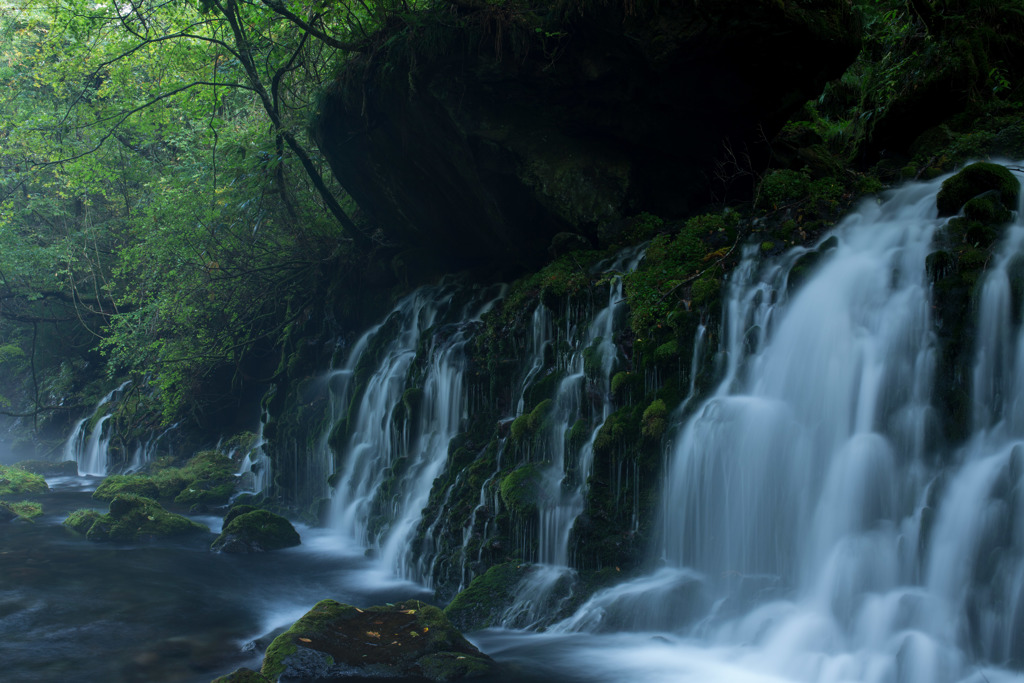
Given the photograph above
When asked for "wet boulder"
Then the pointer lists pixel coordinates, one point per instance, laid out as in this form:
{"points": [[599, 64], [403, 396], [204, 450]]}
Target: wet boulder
{"points": [[977, 179], [132, 519], [256, 531], [409, 639]]}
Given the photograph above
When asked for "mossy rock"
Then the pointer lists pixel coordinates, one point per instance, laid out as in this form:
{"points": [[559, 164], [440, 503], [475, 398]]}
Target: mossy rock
{"points": [[521, 490], [485, 599], [207, 492], [237, 511], [987, 208], [243, 676], [133, 519], [974, 180], [256, 531], [409, 639], [26, 510], [654, 420], [17, 482], [80, 521], [207, 479], [117, 484], [65, 468], [527, 424]]}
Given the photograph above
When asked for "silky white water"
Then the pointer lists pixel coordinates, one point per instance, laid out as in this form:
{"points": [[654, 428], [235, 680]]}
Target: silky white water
{"points": [[807, 533]]}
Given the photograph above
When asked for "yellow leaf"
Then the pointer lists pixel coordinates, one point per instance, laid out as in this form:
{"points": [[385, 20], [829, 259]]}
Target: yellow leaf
{"points": [[425, 629], [414, 634], [306, 640], [373, 634]]}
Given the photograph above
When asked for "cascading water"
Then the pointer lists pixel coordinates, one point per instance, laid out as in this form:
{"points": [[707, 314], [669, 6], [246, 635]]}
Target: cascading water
{"points": [[810, 531], [255, 470], [90, 450], [588, 370], [388, 466]]}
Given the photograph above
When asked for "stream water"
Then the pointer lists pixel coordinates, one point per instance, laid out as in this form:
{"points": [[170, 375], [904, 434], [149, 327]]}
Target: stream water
{"points": [[815, 528]]}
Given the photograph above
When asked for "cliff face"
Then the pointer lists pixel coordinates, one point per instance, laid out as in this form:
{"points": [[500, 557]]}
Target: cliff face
{"points": [[478, 135]]}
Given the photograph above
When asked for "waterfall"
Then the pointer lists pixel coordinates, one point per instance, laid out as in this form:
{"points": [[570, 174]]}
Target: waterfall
{"points": [[588, 372], [89, 450], [814, 527], [255, 471], [404, 418]]}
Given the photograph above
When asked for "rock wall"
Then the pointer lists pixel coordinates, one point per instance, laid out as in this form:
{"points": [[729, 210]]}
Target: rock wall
{"points": [[477, 134]]}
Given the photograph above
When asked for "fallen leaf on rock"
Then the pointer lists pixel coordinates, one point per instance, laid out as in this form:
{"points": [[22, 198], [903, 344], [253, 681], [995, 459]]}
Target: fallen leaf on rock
{"points": [[306, 640]]}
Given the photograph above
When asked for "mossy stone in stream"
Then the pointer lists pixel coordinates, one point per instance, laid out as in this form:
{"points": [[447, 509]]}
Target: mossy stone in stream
{"points": [[238, 511], [974, 180], [18, 482], [80, 521], [26, 510], [256, 531], [132, 519], [409, 639], [117, 484]]}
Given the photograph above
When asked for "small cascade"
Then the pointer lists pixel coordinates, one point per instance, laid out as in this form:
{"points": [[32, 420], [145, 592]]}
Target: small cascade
{"points": [[255, 470], [404, 418], [582, 403], [814, 528], [89, 450], [144, 451]]}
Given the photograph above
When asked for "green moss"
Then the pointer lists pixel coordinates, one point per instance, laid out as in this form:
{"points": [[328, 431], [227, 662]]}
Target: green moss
{"points": [[667, 353], [781, 187], [135, 518], [238, 510], [18, 482], [117, 484], [482, 602], [706, 288], [526, 425], [521, 489], [974, 180], [80, 521], [987, 208], [258, 530], [653, 421], [623, 382], [207, 479], [25, 510]]}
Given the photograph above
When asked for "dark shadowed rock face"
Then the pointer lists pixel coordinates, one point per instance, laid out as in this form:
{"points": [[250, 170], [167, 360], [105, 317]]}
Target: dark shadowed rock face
{"points": [[478, 140]]}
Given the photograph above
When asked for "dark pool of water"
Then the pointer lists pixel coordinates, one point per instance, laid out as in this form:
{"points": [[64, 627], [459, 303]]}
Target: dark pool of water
{"points": [[73, 610]]}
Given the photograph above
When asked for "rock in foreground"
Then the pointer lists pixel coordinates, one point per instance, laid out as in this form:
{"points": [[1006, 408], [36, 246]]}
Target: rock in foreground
{"points": [[334, 640]]}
